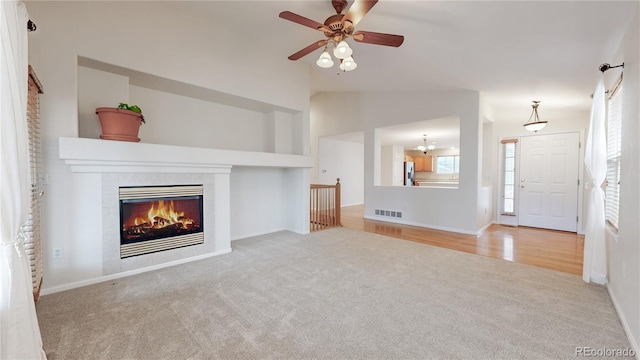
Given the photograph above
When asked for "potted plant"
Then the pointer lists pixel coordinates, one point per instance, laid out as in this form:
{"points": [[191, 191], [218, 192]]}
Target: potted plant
{"points": [[120, 123]]}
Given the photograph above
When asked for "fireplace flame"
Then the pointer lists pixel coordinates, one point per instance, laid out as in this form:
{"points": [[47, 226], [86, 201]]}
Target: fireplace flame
{"points": [[163, 214]]}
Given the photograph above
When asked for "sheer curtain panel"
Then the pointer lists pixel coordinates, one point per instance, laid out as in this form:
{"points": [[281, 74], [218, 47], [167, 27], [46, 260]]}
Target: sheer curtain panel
{"points": [[19, 331], [595, 160]]}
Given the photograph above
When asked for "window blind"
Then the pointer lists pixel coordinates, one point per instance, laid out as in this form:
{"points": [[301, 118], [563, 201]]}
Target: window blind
{"points": [[33, 225], [614, 150]]}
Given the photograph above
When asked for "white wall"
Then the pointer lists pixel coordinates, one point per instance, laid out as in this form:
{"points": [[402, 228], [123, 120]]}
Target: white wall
{"points": [[279, 133], [183, 121], [489, 152], [447, 209], [624, 250], [344, 160], [166, 42], [324, 121], [258, 200], [98, 89], [392, 165]]}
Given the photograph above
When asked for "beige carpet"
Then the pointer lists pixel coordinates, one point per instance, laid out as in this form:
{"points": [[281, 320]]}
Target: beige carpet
{"points": [[334, 294]]}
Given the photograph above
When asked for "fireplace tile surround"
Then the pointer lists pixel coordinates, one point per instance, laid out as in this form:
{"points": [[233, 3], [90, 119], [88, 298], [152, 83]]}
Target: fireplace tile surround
{"points": [[111, 219]]}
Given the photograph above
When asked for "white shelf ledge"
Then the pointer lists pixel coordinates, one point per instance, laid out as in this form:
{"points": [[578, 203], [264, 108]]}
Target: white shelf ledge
{"points": [[98, 156]]}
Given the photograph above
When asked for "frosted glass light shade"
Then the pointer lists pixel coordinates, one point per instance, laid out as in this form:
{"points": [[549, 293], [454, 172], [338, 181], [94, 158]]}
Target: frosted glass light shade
{"points": [[349, 64], [535, 126], [325, 61], [342, 50]]}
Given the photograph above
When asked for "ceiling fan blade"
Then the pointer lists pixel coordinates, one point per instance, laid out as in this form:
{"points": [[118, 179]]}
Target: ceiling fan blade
{"points": [[357, 11], [371, 37], [316, 45], [288, 15]]}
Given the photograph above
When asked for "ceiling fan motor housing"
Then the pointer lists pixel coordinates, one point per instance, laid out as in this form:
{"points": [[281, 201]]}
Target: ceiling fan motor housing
{"points": [[334, 22]]}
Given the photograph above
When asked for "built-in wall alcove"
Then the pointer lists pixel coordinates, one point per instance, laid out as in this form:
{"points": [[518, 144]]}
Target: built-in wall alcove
{"points": [[183, 114]]}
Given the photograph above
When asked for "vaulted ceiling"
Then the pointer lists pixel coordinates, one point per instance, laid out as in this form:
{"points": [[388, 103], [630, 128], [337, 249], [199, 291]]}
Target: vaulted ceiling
{"points": [[511, 51]]}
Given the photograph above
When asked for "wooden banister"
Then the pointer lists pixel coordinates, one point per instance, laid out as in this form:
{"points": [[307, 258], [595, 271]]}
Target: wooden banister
{"points": [[324, 206]]}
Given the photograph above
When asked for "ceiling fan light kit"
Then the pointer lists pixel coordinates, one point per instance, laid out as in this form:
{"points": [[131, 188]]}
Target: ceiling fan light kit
{"points": [[325, 60], [338, 28], [536, 124], [342, 50], [348, 64]]}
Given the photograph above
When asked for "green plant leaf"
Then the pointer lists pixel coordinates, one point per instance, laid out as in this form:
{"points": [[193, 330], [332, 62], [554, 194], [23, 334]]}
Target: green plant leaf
{"points": [[134, 108]]}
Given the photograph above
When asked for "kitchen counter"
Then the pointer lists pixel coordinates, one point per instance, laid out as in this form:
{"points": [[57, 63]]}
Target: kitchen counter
{"points": [[438, 183]]}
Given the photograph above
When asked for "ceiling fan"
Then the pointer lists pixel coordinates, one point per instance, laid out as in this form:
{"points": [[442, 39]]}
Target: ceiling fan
{"points": [[338, 28]]}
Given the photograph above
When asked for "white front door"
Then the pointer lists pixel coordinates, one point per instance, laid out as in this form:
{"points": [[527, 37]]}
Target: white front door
{"points": [[549, 166]]}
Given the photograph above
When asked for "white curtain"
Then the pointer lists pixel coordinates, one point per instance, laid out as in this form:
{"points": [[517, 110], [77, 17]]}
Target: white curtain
{"points": [[19, 331], [595, 159]]}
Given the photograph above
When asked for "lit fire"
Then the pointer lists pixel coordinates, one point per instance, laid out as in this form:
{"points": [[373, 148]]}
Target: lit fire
{"points": [[163, 214]]}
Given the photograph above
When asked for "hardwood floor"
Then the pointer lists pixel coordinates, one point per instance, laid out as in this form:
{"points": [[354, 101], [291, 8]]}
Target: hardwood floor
{"points": [[556, 250]]}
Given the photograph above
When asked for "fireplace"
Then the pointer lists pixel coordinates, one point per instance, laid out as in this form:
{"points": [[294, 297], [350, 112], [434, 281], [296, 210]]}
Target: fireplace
{"points": [[158, 218]]}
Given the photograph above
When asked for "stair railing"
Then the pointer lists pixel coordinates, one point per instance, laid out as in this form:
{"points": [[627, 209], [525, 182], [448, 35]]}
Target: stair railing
{"points": [[325, 206]]}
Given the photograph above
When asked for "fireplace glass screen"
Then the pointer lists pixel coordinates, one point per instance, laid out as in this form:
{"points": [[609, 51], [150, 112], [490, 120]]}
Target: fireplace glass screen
{"points": [[148, 219]]}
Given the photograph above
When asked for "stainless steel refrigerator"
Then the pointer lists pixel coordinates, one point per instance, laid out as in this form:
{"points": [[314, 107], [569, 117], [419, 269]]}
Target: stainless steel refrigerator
{"points": [[409, 173]]}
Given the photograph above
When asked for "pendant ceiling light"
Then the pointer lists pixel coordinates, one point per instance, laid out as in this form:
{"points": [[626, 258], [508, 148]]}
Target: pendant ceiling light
{"points": [[534, 124], [424, 146]]}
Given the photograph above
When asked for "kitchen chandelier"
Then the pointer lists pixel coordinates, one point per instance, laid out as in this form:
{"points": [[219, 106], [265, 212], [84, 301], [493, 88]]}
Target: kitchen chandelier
{"points": [[424, 148], [536, 124], [342, 52]]}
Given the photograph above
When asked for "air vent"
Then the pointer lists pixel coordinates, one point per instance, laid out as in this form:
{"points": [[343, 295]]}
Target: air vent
{"points": [[389, 213]]}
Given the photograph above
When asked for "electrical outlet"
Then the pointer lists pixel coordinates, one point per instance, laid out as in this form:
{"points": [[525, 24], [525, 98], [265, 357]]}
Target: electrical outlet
{"points": [[57, 253]]}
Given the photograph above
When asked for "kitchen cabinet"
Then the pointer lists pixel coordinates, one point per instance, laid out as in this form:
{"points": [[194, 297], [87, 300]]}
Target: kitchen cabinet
{"points": [[408, 158], [423, 163]]}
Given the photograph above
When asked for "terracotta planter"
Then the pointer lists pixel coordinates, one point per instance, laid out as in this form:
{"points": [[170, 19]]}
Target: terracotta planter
{"points": [[119, 124]]}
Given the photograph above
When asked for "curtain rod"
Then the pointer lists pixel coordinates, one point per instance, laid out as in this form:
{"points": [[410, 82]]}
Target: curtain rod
{"points": [[604, 67], [31, 26]]}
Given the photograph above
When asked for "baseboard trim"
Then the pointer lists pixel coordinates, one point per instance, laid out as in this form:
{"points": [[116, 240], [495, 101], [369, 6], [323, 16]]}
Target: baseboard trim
{"points": [[479, 232], [625, 324], [259, 233], [99, 279], [347, 205], [386, 219]]}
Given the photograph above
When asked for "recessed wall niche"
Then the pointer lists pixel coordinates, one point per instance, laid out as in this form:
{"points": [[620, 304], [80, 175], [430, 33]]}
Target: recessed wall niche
{"points": [[182, 114]]}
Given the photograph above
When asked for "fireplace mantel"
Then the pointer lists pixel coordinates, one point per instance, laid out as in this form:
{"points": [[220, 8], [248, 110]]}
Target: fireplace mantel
{"points": [[108, 156]]}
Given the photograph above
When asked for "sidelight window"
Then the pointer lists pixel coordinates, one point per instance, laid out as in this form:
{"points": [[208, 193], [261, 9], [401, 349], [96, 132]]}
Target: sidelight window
{"points": [[508, 178]]}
